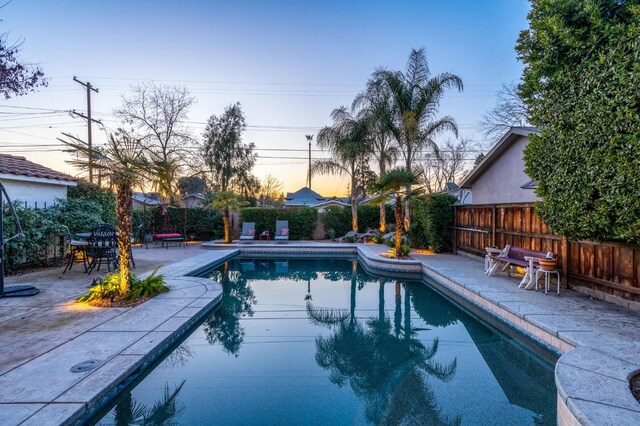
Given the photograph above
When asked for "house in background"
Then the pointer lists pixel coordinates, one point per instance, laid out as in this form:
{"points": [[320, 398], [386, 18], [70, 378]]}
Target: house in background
{"points": [[194, 200], [500, 178], [146, 199], [462, 194], [307, 197], [33, 184]]}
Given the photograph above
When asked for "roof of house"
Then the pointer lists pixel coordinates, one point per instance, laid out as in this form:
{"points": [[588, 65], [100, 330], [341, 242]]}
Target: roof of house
{"points": [[149, 199], [20, 166], [500, 147], [194, 195], [303, 197]]}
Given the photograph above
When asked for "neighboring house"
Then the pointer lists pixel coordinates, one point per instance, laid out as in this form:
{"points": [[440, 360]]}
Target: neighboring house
{"points": [[500, 178], [307, 197], [149, 199], [194, 200], [462, 194], [33, 184]]}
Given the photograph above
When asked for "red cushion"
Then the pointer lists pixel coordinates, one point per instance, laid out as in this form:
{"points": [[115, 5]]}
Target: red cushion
{"points": [[285, 232], [173, 235], [251, 232]]}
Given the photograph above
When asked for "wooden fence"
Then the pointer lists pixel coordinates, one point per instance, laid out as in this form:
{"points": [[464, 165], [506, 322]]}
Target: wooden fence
{"points": [[608, 267]]}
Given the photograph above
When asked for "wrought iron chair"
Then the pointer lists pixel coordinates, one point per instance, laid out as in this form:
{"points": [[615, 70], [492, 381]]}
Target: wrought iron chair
{"points": [[77, 250], [102, 246]]}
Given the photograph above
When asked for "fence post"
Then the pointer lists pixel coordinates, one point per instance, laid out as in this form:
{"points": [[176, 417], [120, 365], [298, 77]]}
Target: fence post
{"points": [[564, 250], [493, 226], [455, 231]]}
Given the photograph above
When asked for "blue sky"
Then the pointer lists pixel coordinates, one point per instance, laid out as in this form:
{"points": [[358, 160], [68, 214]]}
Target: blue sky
{"points": [[289, 63]]}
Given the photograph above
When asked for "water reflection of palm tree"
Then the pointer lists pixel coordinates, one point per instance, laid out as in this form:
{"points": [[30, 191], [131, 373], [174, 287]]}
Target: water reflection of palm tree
{"points": [[238, 298], [308, 296], [164, 412], [382, 367]]}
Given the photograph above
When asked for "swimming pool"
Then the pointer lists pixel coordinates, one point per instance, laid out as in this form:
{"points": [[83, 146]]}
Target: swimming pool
{"points": [[302, 341]]}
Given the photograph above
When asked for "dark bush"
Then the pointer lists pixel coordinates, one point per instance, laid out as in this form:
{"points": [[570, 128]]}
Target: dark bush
{"points": [[437, 221], [416, 234], [194, 223], [302, 220], [339, 218], [103, 197]]}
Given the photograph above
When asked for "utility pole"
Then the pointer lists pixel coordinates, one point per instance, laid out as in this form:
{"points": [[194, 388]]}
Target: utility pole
{"points": [[309, 138], [87, 117]]}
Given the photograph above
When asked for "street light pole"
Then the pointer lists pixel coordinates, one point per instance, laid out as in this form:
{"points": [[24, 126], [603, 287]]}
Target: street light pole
{"points": [[309, 138]]}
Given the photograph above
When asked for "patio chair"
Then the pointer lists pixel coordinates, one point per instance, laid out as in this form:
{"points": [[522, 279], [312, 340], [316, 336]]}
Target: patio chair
{"points": [[282, 230], [248, 231], [102, 246], [77, 250]]}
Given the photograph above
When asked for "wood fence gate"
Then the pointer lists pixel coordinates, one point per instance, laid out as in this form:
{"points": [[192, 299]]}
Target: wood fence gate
{"points": [[608, 267]]}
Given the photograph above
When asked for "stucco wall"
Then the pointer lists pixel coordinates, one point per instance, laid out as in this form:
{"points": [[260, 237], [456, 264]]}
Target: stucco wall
{"points": [[34, 192], [500, 183]]}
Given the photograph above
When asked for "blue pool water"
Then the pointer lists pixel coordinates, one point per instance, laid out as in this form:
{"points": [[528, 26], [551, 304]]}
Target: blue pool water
{"points": [[322, 342]]}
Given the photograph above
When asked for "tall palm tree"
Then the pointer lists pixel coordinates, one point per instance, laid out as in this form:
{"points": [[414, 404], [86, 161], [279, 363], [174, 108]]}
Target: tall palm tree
{"points": [[398, 182], [122, 160], [226, 202], [415, 98], [374, 105], [346, 139]]}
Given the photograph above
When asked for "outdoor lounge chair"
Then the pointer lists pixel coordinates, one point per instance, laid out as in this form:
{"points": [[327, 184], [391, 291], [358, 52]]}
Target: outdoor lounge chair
{"points": [[248, 231], [282, 230]]}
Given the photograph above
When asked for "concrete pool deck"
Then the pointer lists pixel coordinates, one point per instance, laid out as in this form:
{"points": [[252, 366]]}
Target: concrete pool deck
{"points": [[42, 337]]}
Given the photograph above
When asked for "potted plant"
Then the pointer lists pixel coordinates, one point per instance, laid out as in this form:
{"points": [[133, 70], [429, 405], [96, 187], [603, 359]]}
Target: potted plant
{"points": [[547, 264]]}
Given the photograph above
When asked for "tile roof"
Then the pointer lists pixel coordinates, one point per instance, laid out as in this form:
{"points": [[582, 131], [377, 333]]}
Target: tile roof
{"points": [[20, 166]]}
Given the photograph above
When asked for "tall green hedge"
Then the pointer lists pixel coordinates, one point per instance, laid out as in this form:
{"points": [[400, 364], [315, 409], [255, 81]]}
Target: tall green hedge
{"points": [[302, 220], [104, 198], [580, 85], [339, 218], [198, 223], [435, 215]]}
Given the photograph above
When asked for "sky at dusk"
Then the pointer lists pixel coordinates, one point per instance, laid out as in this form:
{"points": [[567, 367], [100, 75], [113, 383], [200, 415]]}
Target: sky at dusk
{"points": [[288, 63]]}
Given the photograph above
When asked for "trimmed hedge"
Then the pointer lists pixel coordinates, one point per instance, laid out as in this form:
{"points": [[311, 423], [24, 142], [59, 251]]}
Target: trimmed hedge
{"points": [[200, 224], [435, 215], [339, 218], [580, 85], [302, 220]]}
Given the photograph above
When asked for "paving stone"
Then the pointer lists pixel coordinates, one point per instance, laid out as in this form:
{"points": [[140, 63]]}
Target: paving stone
{"points": [[13, 414], [147, 316], [591, 413], [576, 383], [27, 382], [102, 380], [173, 324], [522, 308], [55, 414], [599, 362], [147, 343]]}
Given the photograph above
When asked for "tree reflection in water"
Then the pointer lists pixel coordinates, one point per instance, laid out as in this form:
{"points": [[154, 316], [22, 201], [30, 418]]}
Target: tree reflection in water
{"points": [[238, 298], [164, 412], [385, 368]]}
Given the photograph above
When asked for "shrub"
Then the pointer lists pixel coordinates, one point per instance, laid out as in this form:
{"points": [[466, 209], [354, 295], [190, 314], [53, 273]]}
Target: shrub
{"points": [[302, 220], [416, 234], [339, 218], [350, 239], [199, 224], [102, 197], [580, 84], [107, 290], [437, 221], [405, 249]]}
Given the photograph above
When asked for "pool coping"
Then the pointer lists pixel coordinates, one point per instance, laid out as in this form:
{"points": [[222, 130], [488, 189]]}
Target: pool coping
{"points": [[593, 371], [125, 345]]}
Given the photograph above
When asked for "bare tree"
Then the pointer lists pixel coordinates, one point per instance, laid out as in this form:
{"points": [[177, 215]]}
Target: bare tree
{"points": [[509, 111], [271, 191], [447, 162], [16, 77], [159, 113]]}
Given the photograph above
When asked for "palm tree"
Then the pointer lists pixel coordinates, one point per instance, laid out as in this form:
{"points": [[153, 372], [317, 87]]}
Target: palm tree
{"points": [[415, 97], [226, 202], [397, 182], [374, 105], [121, 160], [346, 139]]}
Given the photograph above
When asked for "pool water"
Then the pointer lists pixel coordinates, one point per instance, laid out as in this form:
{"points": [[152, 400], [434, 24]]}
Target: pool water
{"points": [[322, 342]]}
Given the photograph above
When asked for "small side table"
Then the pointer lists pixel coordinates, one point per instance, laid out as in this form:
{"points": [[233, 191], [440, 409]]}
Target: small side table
{"points": [[265, 236], [547, 279]]}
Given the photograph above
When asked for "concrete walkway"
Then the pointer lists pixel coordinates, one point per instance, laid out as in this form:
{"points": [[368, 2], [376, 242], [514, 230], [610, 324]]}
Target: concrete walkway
{"points": [[42, 337]]}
